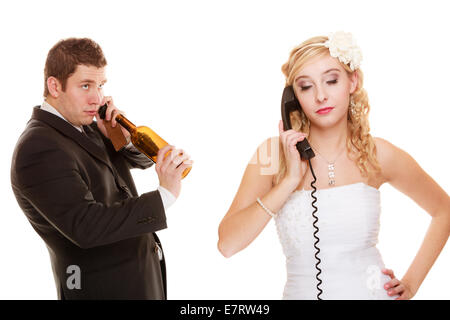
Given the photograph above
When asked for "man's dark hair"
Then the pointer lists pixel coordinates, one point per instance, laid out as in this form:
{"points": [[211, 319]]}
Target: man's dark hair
{"points": [[66, 55]]}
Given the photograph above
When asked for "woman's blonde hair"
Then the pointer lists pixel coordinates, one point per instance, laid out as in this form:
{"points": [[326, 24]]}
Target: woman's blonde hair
{"points": [[359, 138]]}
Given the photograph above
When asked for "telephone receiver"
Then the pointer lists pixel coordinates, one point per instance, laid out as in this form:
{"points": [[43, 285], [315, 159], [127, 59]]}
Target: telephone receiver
{"points": [[289, 103], [102, 111]]}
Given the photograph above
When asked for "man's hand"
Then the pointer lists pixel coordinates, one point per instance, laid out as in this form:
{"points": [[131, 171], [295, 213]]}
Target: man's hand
{"points": [[170, 168], [110, 115]]}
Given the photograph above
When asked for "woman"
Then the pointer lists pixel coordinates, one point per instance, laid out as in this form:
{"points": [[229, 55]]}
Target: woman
{"points": [[350, 165]]}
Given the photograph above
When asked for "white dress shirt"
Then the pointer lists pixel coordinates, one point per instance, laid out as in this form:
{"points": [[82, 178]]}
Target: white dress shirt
{"points": [[167, 197]]}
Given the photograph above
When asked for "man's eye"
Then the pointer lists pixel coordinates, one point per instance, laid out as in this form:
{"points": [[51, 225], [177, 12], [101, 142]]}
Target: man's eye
{"points": [[85, 86], [305, 88], [101, 86]]}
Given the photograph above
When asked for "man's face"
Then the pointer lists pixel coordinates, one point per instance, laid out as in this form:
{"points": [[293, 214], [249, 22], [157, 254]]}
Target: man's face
{"points": [[83, 95]]}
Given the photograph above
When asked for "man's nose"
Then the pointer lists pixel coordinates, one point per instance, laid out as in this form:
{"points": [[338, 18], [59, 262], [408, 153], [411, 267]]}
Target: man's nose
{"points": [[97, 97]]}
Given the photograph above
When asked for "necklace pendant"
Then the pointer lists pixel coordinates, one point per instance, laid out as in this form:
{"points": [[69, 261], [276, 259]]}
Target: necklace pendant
{"points": [[331, 177], [331, 181]]}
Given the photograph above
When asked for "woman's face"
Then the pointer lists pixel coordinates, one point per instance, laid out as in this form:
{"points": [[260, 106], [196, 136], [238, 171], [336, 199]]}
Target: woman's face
{"points": [[323, 88]]}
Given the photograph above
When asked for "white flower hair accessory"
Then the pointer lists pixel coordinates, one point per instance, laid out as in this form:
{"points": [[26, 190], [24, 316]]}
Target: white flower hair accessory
{"points": [[343, 46]]}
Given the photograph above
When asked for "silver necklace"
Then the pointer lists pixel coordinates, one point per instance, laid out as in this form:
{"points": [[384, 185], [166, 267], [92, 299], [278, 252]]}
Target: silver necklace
{"points": [[331, 168]]}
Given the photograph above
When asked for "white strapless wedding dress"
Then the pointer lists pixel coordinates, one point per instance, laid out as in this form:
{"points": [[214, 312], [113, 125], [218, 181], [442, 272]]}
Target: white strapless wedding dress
{"points": [[348, 225]]}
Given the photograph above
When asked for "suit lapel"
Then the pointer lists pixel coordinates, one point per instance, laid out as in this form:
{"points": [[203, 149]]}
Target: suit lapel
{"points": [[69, 131]]}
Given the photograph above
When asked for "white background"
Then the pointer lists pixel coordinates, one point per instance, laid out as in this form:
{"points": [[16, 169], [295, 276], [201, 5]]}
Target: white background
{"points": [[206, 76]]}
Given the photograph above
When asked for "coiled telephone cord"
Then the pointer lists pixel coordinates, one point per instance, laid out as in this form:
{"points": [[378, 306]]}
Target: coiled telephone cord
{"points": [[319, 271]]}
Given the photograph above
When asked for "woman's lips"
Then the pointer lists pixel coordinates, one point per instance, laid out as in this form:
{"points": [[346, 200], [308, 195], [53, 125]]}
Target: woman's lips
{"points": [[324, 110]]}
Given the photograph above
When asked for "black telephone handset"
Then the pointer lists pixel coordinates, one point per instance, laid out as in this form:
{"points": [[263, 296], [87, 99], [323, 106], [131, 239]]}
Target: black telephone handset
{"points": [[289, 103]]}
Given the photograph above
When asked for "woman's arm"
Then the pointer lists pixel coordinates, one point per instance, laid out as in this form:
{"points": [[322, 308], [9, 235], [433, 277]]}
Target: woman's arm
{"points": [[245, 218], [404, 174]]}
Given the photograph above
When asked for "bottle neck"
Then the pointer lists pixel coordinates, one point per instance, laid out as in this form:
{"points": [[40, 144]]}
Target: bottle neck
{"points": [[124, 122]]}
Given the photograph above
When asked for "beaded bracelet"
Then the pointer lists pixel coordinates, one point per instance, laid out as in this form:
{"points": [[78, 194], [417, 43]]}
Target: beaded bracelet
{"points": [[270, 213]]}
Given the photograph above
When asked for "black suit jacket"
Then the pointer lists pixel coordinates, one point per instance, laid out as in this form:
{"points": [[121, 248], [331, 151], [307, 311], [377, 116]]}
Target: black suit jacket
{"points": [[79, 196]]}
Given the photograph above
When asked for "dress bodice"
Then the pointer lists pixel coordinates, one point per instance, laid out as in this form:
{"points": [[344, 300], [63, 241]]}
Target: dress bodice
{"points": [[349, 223]]}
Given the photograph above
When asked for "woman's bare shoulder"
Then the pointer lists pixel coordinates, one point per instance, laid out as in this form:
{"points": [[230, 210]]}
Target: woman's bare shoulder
{"points": [[266, 157], [405, 174], [265, 151], [385, 149], [390, 157]]}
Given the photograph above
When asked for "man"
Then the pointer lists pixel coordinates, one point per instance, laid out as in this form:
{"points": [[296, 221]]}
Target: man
{"points": [[78, 193]]}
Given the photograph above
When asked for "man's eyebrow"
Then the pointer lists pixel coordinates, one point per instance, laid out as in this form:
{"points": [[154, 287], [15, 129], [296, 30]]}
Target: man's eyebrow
{"points": [[91, 81], [87, 81], [329, 70]]}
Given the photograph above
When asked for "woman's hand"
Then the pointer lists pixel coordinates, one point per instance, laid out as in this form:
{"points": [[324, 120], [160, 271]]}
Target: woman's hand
{"points": [[110, 115], [295, 167], [395, 286]]}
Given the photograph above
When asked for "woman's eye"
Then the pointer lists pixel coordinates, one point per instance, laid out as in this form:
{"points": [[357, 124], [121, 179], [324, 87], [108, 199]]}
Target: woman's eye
{"points": [[332, 81], [305, 88]]}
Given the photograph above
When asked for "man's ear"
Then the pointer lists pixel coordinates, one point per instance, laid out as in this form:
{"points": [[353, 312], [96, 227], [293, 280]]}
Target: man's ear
{"points": [[353, 82], [54, 87]]}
